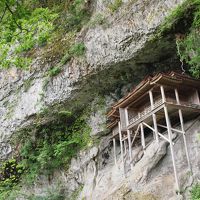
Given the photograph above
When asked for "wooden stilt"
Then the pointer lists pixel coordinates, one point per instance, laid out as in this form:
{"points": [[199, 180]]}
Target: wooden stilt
{"points": [[114, 147], [142, 136], [126, 116], [183, 130], [155, 127], [173, 129], [197, 100], [154, 117], [130, 148], [129, 137], [136, 133], [121, 146], [163, 94], [125, 147], [184, 139], [162, 136], [171, 146], [170, 136]]}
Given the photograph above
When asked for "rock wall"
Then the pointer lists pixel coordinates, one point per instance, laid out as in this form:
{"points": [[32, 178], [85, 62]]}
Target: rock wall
{"points": [[152, 176], [111, 60], [119, 53]]}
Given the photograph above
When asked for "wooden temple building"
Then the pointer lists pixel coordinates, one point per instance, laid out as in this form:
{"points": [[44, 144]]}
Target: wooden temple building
{"points": [[158, 104]]}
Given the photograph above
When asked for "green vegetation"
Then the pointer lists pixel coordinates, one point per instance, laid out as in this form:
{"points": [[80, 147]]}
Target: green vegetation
{"points": [[184, 22], [23, 29], [53, 194], [195, 192], [188, 46], [75, 50], [115, 5], [54, 71], [10, 174], [97, 19], [45, 149], [174, 17], [30, 26], [76, 193], [27, 84]]}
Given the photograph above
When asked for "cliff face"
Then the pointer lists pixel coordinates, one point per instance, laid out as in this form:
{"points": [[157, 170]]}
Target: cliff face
{"points": [[114, 51], [120, 51]]}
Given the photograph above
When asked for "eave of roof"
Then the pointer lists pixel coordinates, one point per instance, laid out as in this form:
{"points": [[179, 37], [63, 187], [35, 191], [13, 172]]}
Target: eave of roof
{"points": [[171, 78]]}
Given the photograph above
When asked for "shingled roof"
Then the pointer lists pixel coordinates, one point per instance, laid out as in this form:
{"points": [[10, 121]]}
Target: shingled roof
{"points": [[171, 78]]}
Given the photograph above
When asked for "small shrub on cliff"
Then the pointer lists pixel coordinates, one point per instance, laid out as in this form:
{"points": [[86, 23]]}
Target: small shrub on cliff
{"points": [[53, 145], [54, 71], [115, 5], [10, 175], [77, 49], [195, 192]]}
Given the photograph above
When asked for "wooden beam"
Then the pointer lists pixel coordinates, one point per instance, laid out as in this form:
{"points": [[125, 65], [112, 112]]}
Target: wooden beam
{"points": [[125, 147], [184, 139], [130, 147], [136, 132], [191, 107], [121, 147], [131, 125], [155, 127], [151, 99], [142, 136], [173, 129], [154, 131], [162, 94], [197, 96], [171, 146], [154, 116], [177, 96], [114, 150], [126, 116]]}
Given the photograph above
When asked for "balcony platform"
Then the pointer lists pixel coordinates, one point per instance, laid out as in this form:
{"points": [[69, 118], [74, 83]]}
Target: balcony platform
{"points": [[146, 115]]}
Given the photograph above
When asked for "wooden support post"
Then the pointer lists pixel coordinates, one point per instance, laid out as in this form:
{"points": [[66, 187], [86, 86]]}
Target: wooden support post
{"points": [[197, 96], [121, 146], [125, 147], [114, 150], [183, 130], [171, 146], [142, 136], [126, 116], [129, 137], [173, 129], [177, 96], [162, 94], [158, 132], [136, 133], [154, 117], [130, 148], [184, 139]]}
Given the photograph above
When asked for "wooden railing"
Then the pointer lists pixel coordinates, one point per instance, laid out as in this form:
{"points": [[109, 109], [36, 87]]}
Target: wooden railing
{"points": [[157, 103], [147, 110]]}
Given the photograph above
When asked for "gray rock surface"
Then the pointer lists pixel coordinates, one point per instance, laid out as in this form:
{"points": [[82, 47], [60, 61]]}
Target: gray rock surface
{"points": [[117, 54], [151, 178], [23, 94]]}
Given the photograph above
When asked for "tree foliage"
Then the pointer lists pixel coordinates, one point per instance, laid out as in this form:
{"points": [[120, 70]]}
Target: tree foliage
{"points": [[45, 149], [188, 45], [29, 25], [22, 29]]}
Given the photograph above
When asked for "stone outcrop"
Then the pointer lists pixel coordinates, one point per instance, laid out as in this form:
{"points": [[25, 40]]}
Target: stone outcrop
{"points": [[151, 178]]}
